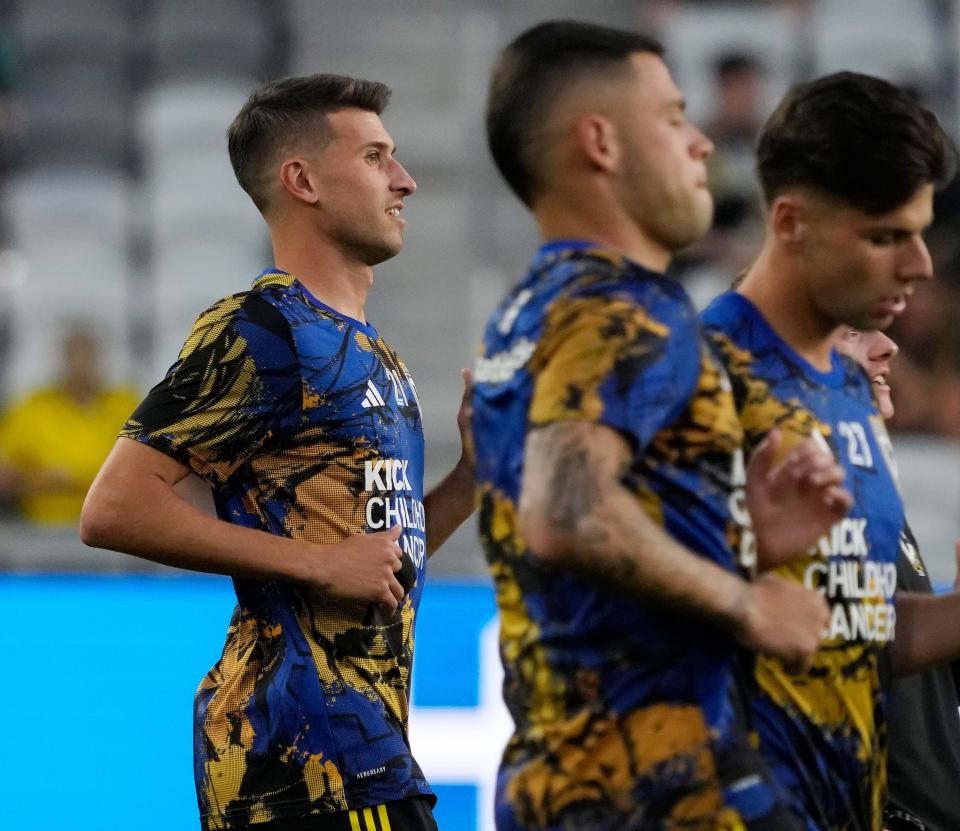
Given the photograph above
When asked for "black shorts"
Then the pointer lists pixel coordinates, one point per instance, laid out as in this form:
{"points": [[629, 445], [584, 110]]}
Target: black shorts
{"points": [[413, 814]]}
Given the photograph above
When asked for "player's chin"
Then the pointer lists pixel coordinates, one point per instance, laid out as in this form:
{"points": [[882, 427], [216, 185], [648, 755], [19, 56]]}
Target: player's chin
{"points": [[863, 318], [885, 404], [880, 321], [701, 215], [384, 250], [692, 230]]}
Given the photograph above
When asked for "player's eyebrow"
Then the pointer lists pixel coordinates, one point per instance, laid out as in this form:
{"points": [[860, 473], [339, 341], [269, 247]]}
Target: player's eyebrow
{"points": [[382, 145], [678, 104]]}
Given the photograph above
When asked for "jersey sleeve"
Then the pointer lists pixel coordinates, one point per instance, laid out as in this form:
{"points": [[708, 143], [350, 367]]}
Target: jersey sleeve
{"points": [[233, 388], [603, 358]]}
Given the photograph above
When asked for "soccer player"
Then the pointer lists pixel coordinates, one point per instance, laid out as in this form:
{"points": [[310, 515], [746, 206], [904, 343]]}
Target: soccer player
{"points": [[848, 164], [306, 424], [610, 467], [924, 726]]}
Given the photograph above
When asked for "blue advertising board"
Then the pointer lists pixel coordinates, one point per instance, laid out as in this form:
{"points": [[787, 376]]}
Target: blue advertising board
{"points": [[98, 677]]}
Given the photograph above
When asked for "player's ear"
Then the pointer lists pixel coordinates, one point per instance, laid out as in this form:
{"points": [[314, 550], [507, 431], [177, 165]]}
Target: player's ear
{"points": [[597, 139], [297, 179], [789, 218]]}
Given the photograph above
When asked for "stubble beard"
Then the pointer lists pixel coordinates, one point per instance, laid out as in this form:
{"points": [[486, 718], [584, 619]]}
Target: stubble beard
{"points": [[374, 246]]}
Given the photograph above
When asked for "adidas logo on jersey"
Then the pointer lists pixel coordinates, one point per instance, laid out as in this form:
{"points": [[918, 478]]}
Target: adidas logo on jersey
{"points": [[373, 397]]}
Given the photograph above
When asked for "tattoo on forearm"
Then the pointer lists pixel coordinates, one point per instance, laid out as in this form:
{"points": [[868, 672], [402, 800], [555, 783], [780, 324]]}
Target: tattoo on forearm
{"points": [[570, 485], [577, 481]]}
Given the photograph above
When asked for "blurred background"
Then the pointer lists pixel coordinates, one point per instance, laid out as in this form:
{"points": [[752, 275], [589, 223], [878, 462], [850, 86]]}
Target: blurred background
{"points": [[120, 220]]}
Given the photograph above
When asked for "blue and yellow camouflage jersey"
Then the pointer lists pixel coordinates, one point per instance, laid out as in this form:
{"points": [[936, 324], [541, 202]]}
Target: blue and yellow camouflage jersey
{"points": [[627, 714], [306, 425], [823, 731]]}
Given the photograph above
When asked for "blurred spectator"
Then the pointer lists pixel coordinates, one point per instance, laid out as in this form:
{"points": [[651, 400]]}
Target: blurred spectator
{"points": [[737, 228], [54, 440], [738, 116]]}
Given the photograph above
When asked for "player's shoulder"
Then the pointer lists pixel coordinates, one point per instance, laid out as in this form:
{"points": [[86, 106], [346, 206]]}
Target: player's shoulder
{"points": [[736, 329], [259, 305], [856, 381], [268, 291], [599, 271], [600, 277], [728, 311], [246, 320]]}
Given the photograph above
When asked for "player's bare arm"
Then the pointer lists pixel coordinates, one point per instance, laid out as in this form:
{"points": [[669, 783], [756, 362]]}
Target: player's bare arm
{"points": [[794, 502], [576, 514], [132, 507], [449, 503]]}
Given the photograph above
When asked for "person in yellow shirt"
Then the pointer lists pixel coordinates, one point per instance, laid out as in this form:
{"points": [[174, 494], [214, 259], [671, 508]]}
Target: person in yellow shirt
{"points": [[54, 439]]}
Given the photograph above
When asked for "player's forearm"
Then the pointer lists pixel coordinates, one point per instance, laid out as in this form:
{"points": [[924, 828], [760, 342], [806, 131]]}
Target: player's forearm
{"points": [[449, 504], [143, 516], [618, 545], [927, 631], [575, 512]]}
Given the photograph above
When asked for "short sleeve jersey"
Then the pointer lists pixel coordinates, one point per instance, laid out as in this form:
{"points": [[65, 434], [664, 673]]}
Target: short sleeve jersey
{"points": [[306, 424], [824, 731], [621, 708]]}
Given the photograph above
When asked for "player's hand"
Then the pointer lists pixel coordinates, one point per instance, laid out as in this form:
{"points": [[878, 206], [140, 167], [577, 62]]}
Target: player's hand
{"points": [[468, 455], [794, 503], [783, 619], [362, 567]]}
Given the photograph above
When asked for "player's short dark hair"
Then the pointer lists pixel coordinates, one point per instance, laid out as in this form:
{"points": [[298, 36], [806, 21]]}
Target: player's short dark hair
{"points": [[282, 111], [855, 138], [528, 78]]}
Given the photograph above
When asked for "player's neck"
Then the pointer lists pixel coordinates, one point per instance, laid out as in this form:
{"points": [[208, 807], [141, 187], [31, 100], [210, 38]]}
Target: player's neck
{"points": [[557, 219], [330, 274], [776, 287]]}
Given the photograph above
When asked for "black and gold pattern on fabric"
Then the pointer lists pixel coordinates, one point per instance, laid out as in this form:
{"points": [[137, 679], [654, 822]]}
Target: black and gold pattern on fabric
{"points": [[626, 714], [306, 424], [535, 693], [649, 768], [588, 342], [840, 693], [824, 730], [759, 411]]}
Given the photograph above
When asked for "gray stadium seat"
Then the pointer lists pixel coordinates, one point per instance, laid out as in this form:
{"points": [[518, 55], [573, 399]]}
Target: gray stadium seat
{"points": [[49, 208], [898, 43], [198, 187], [432, 57], [186, 117], [213, 39], [42, 24]]}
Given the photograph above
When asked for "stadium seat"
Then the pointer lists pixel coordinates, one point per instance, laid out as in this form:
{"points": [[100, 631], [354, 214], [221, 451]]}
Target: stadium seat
{"points": [[76, 109], [214, 39], [186, 117], [54, 207], [432, 60], [899, 43]]}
